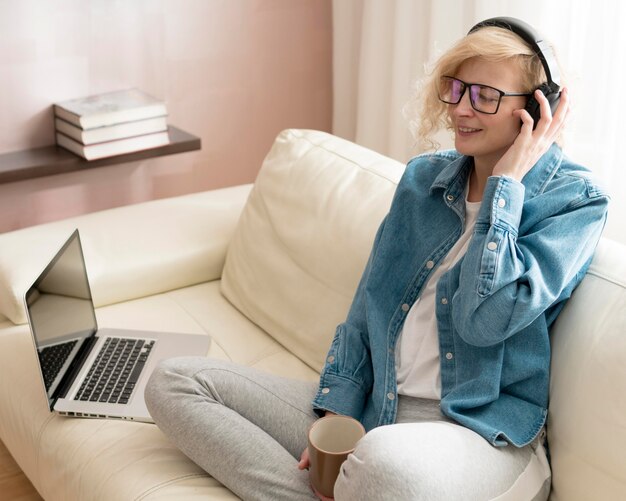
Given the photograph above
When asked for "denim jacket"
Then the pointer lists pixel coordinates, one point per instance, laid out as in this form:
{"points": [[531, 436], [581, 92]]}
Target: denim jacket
{"points": [[531, 246]]}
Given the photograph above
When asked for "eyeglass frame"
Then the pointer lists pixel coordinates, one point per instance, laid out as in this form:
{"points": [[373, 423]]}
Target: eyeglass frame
{"points": [[469, 85]]}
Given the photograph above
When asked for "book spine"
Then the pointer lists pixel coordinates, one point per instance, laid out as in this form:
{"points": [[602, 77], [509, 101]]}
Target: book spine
{"points": [[71, 145], [113, 148], [113, 132], [88, 122], [68, 116]]}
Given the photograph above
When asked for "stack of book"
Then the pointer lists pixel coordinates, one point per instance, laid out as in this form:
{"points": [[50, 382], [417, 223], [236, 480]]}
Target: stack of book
{"points": [[111, 124]]}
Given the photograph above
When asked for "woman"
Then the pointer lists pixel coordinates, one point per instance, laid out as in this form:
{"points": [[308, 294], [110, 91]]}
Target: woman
{"points": [[444, 356]]}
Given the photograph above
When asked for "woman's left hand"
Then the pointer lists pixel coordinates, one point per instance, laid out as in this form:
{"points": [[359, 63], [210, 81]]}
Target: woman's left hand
{"points": [[530, 145]]}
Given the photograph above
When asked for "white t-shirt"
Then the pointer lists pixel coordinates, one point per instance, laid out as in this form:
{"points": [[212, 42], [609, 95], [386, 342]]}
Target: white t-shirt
{"points": [[417, 352]]}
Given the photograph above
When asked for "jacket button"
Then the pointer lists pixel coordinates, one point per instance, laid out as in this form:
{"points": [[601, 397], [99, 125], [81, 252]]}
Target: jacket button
{"points": [[330, 359], [450, 198], [492, 246], [391, 396], [444, 300], [405, 307], [430, 265], [449, 356], [325, 390], [501, 203]]}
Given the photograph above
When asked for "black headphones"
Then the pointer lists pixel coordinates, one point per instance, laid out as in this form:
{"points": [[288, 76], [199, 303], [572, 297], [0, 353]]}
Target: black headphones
{"points": [[551, 88]]}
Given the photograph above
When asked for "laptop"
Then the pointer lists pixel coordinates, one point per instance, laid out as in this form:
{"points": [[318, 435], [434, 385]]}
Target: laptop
{"points": [[86, 371]]}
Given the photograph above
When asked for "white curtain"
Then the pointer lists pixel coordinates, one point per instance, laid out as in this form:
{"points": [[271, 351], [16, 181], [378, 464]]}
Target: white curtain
{"points": [[381, 48]]}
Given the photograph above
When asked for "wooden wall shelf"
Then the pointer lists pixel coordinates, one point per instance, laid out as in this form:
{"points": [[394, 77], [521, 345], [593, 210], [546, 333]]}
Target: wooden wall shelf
{"points": [[50, 160]]}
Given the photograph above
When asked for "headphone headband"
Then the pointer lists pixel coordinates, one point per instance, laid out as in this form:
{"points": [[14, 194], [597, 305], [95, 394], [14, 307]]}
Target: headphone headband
{"points": [[533, 38]]}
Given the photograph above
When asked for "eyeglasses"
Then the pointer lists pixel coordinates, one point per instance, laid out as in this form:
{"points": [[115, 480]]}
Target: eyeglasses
{"points": [[483, 98]]}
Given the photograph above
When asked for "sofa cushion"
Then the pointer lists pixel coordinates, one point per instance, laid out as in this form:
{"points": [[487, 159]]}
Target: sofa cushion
{"points": [[113, 460], [304, 237], [130, 252]]}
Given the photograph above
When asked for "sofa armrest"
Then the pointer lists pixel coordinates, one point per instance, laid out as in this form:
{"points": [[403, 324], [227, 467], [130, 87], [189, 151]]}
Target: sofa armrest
{"points": [[130, 252], [586, 429]]}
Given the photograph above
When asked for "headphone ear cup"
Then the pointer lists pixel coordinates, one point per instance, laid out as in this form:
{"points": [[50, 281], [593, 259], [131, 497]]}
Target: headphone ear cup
{"points": [[533, 107]]}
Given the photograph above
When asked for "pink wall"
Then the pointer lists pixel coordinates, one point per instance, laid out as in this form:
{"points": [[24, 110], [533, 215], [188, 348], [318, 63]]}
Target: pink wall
{"points": [[233, 72]]}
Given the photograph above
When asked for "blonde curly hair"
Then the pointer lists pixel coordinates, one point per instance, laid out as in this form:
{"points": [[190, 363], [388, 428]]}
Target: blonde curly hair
{"points": [[427, 114]]}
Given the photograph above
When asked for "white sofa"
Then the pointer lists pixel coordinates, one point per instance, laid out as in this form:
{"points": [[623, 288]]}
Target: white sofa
{"points": [[267, 271]]}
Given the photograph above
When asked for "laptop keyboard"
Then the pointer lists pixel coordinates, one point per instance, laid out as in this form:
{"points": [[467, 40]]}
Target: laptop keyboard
{"points": [[52, 359], [115, 371]]}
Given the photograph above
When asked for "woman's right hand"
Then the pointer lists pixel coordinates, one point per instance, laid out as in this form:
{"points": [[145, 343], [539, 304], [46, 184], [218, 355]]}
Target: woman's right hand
{"points": [[304, 457], [305, 463], [304, 460]]}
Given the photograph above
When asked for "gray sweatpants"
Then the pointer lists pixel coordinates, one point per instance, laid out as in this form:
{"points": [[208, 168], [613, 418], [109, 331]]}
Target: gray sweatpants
{"points": [[248, 428]]}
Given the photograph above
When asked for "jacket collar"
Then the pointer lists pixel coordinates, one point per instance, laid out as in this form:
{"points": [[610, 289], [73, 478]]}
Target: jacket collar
{"points": [[453, 177], [544, 170]]}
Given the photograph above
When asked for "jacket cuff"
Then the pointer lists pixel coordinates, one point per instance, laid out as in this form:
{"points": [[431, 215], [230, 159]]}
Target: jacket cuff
{"points": [[503, 201], [339, 395]]}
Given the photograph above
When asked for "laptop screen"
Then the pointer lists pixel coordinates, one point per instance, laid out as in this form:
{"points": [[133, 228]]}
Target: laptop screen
{"points": [[61, 313]]}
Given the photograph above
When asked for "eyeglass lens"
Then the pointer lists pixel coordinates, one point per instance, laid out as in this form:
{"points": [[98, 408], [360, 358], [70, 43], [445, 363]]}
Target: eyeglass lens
{"points": [[483, 98]]}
